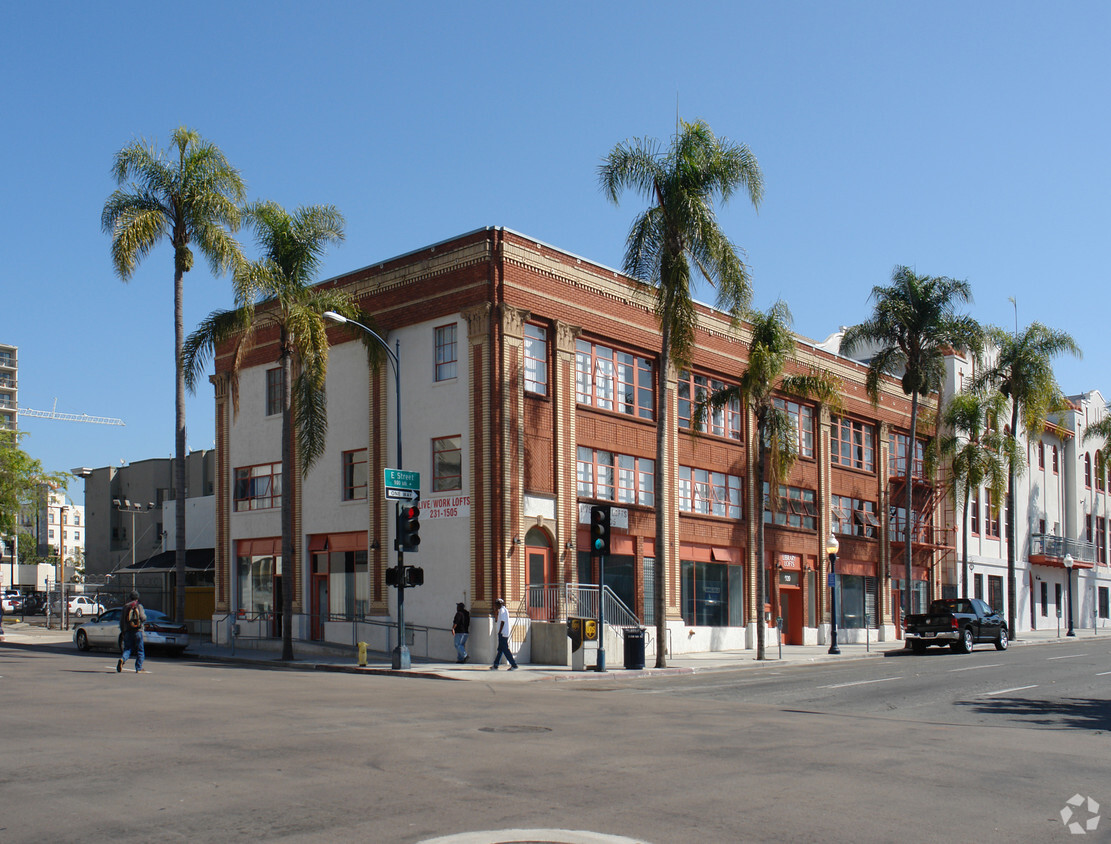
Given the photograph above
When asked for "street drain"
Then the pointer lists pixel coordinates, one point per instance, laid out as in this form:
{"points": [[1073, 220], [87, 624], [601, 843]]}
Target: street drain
{"points": [[515, 728]]}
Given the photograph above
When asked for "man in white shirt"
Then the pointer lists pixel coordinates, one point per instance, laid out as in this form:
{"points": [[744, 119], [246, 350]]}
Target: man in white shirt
{"points": [[502, 628]]}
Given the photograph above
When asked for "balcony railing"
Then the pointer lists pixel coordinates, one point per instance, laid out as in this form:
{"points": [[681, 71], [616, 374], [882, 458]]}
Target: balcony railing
{"points": [[1047, 545]]}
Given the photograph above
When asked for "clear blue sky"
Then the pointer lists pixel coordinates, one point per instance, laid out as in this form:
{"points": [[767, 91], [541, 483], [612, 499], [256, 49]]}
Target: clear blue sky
{"points": [[963, 139]]}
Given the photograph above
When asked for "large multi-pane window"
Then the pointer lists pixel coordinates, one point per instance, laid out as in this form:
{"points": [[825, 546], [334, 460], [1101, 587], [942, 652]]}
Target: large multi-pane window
{"points": [[1088, 471], [991, 515], [446, 353], [447, 463], [354, 474], [857, 596], [802, 418], [611, 379], [536, 359], [258, 487], [711, 493], [897, 460], [346, 574], [256, 576], [1101, 472], [854, 516], [796, 508], [1101, 539], [711, 594], [1104, 609], [609, 476], [724, 421], [974, 511], [853, 444], [1041, 454], [273, 391]]}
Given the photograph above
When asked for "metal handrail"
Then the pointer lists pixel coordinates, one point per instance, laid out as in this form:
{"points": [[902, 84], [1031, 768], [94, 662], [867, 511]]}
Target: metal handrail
{"points": [[564, 600], [1058, 546]]}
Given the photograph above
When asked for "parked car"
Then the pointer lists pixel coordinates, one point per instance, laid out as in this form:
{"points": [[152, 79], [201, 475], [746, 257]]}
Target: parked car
{"points": [[80, 605], [12, 603], [34, 604], [957, 622], [159, 633]]}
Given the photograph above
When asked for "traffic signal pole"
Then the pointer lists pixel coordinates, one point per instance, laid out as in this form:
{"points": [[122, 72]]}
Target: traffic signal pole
{"points": [[401, 660]]}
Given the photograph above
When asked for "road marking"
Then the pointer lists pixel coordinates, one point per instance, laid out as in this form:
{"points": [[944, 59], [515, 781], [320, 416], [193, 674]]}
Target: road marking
{"points": [[975, 667], [1103, 673], [1004, 691], [1070, 656], [860, 683]]}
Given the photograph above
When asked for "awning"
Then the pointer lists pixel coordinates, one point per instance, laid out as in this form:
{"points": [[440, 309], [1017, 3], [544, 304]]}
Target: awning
{"points": [[196, 559]]}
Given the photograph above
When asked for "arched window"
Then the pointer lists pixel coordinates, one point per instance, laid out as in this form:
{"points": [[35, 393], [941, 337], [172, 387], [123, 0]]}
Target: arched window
{"points": [[1100, 472]]}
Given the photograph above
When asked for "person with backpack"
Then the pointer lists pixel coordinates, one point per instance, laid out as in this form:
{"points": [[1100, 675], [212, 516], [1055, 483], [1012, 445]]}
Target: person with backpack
{"points": [[132, 620]]}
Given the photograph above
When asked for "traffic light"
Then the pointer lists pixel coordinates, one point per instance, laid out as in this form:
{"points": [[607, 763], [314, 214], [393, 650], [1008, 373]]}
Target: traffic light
{"points": [[391, 576], [408, 527], [414, 576], [600, 529]]}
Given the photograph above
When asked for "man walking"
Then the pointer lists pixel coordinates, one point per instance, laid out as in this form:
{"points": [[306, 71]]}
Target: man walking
{"points": [[502, 628], [461, 629], [132, 620]]}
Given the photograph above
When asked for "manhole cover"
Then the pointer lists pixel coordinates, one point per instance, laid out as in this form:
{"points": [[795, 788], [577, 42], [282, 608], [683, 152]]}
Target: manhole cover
{"points": [[515, 728]]}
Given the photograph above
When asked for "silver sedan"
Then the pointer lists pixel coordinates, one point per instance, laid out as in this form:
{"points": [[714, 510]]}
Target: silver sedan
{"points": [[160, 632]]}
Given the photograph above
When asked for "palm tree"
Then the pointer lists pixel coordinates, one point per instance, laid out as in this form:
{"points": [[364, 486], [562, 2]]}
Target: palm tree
{"points": [[279, 284], [1023, 373], [978, 454], [680, 228], [771, 349], [914, 325], [189, 195]]}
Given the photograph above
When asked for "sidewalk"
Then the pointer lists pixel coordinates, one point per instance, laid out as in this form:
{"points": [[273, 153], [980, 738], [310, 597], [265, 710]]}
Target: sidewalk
{"points": [[20, 633]]}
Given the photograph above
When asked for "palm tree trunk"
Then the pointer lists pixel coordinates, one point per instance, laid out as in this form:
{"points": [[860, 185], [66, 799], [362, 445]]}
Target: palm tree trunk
{"points": [[908, 584], [179, 445], [288, 577], [761, 585], [964, 540], [1012, 587], [659, 488]]}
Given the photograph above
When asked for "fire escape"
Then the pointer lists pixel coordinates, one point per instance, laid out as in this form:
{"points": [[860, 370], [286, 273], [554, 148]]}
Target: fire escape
{"points": [[929, 540]]}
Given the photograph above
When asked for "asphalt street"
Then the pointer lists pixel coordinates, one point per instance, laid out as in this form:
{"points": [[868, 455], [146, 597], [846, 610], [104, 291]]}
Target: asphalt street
{"points": [[941, 747]]}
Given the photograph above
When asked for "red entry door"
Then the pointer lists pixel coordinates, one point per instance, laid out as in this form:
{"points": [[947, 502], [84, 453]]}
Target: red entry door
{"points": [[541, 573]]}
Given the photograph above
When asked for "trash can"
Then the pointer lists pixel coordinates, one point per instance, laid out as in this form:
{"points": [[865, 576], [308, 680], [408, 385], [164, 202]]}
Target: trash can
{"points": [[634, 647]]}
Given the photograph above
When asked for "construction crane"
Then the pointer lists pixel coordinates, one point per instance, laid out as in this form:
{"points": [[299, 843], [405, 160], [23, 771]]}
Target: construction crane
{"points": [[69, 417]]}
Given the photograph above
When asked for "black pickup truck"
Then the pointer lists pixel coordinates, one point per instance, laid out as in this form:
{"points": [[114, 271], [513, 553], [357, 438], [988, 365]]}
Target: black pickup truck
{"points": [[957, 622]]}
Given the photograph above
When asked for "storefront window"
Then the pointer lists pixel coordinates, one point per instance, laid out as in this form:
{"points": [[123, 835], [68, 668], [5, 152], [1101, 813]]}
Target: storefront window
{"points": [[711, 594], [856, 601], [256, 582]]}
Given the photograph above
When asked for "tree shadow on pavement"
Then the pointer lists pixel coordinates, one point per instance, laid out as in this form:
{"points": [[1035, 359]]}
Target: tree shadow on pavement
{"points": [[1063, 714]]}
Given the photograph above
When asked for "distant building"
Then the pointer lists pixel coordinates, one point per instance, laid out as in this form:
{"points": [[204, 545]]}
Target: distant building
{"points": [[9, 387], [130, 512]]}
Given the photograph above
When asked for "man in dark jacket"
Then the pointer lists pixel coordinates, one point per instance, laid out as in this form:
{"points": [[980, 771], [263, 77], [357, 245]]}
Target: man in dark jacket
{"points": [[132, 620], [461, 628]]}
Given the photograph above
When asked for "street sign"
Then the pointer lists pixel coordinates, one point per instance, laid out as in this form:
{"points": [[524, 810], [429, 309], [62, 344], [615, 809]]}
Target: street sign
{"points": [[401, 485], [619, 516]]}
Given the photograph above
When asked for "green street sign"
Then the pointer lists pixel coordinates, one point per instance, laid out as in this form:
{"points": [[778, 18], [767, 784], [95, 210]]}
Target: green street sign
{"points": [[401, 485]]}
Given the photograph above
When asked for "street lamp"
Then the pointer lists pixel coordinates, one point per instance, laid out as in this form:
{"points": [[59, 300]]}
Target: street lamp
{"points": [[401, 659], [134, 509], [831, 549], [1068, 574]]}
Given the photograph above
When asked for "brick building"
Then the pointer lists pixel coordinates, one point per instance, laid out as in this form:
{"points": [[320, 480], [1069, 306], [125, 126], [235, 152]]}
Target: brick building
{"points": [[528, 381]]}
